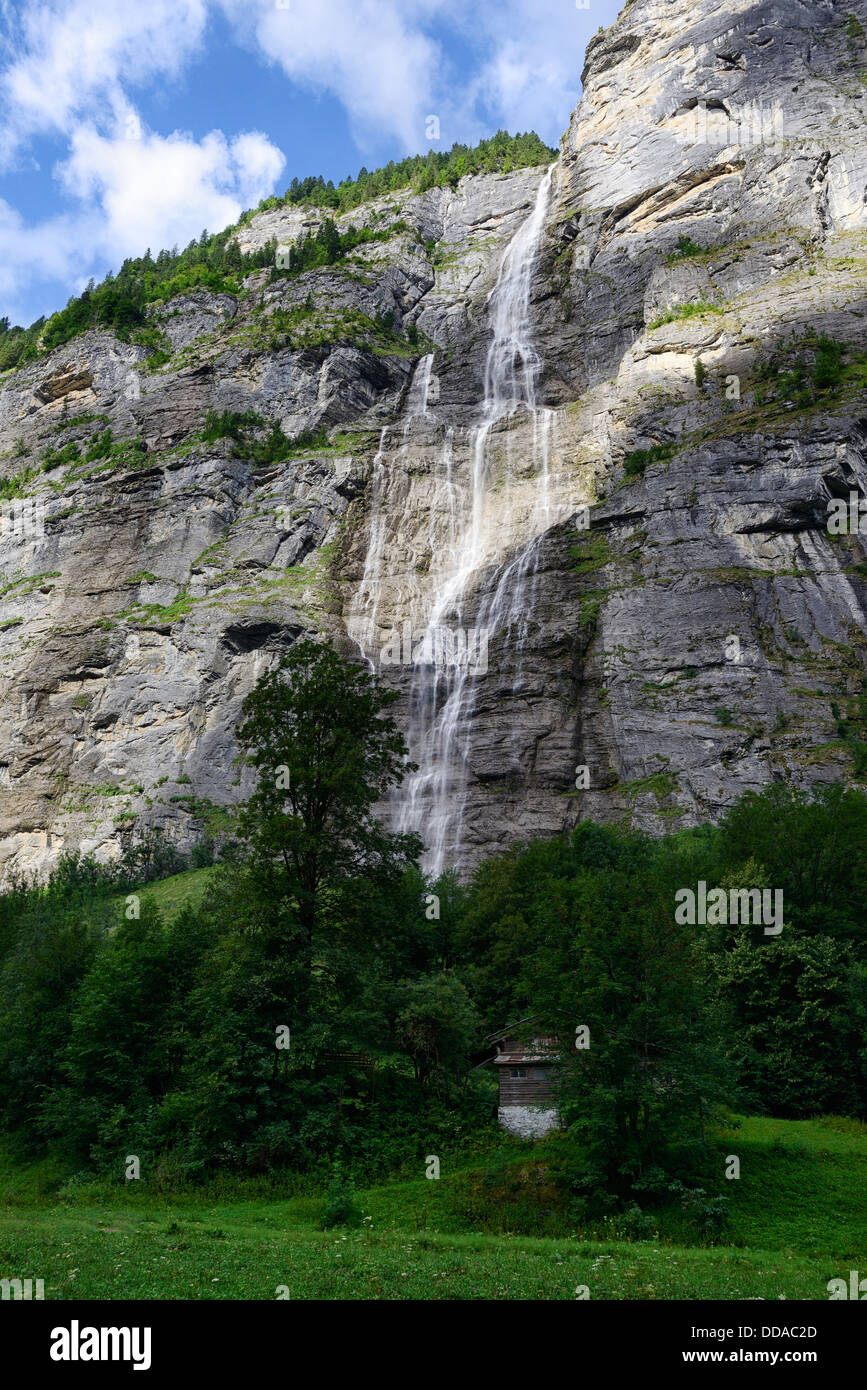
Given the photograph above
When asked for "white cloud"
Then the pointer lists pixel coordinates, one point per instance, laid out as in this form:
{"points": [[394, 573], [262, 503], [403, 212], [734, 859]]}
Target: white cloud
{"points": [[72, 59], [387, 62], [377, 60], [159, 190], [57, 248], [70, 69], [529, 56], [153, 191]]}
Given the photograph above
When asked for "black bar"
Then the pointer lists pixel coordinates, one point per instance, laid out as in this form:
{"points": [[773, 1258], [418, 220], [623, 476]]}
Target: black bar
{"points": [[225, 1339]]}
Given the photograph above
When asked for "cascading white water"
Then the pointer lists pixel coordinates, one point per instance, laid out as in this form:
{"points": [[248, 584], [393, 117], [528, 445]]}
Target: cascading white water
{"points": [[362, 624], [442, 695]]}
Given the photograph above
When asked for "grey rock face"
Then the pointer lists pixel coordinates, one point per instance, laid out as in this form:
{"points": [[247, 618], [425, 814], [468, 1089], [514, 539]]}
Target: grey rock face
{"points": [[706, 635]]}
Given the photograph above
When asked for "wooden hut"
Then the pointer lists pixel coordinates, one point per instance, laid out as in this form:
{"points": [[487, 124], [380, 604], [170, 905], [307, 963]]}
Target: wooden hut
{"points": [[526, 1067]]}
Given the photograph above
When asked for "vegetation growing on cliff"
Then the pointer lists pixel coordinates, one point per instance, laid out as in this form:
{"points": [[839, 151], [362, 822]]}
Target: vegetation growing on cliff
{"points": [[809, 369], [327, 245], [637, 461], [436, 169], [686, 311], [118, 303], [257, 440], [216, 263]]}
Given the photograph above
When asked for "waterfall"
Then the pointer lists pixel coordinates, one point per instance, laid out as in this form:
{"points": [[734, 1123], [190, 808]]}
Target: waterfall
{"points": [[443, 694], [455, 521], [362, 623]]}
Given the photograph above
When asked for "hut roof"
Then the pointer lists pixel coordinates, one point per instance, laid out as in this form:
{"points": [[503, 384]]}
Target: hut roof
{"points": [[513, 1051], [519, 1058]]}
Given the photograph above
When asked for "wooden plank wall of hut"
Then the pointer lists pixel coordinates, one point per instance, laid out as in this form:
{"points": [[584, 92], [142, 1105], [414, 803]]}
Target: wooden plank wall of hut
{"points": [[524, 1090]]}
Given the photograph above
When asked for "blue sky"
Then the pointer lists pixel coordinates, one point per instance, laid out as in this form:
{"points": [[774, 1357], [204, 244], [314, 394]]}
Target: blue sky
{"points": [[134, 123]]}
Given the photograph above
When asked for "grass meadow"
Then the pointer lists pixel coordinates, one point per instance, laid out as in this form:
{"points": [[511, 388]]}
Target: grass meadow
{"points": [[797, 1219]]}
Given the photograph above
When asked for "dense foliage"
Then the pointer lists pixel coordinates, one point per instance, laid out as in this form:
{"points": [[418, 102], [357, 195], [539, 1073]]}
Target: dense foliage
{"points": [[436, 169], [808, 368], [119, 302], [326, 1001], [17, 344], [327, 244]]}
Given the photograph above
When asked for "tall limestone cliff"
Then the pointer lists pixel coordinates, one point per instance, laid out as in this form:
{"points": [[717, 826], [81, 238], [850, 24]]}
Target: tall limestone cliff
{"points": [[642, 531]]}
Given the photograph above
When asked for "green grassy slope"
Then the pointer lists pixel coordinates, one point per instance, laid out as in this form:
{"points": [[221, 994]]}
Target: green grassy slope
{"points": [[799, 1218], [171, 895]]}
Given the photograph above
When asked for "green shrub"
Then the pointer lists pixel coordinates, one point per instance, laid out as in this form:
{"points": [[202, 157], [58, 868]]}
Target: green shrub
{"points": [[272, 447], [340, 1208], [635, 463], [631, 1224], [100, 447], [231, 424], [828, 364], [686, 311], [202, 854], [807, 370], [54, 458], [685, 247], [15, 486]]}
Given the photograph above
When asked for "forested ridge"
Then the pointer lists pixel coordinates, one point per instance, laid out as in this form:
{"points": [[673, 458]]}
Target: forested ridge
{"points": [[214, 261]]}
